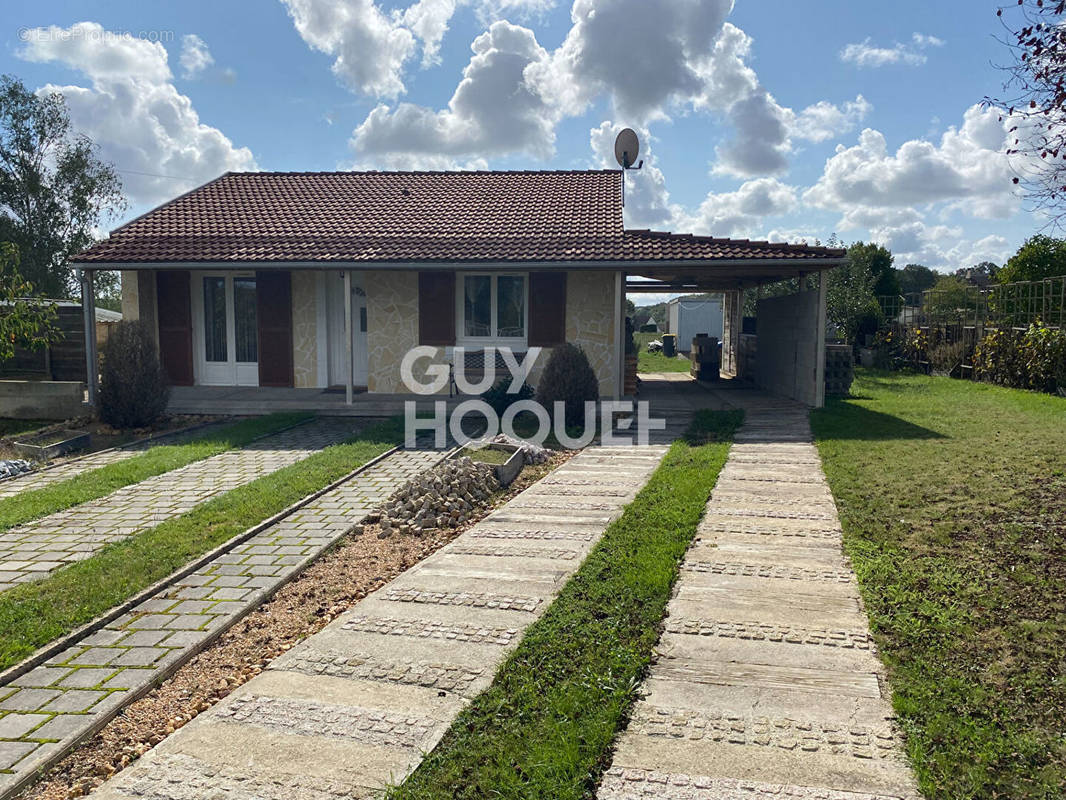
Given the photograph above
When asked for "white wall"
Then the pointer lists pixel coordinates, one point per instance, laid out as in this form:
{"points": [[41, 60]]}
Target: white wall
{"points": [[689, 318], [791, 347]]}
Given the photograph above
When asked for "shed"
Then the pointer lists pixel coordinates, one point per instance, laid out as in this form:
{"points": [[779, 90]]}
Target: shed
{"points": [[693, 316]]}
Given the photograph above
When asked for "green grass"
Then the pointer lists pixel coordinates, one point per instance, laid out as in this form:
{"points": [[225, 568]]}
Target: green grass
{"points": [[34, 614], [545, 726], [953, 500], [13, 427], [487, 455], [161, 458], [657, 362]]}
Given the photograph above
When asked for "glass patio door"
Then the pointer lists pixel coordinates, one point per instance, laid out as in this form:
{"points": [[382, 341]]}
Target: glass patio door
{"points": [[228, 332]]}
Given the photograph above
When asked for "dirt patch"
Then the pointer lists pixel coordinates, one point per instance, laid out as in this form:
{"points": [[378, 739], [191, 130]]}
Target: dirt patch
{"points": [[346, 574]]}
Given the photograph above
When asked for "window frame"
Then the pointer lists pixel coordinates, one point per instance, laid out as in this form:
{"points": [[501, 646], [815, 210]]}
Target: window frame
{"points": [[494, 339]]}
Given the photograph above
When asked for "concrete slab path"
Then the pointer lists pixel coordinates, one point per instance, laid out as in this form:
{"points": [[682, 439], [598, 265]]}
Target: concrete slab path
{"points": [[358, 704], [48, 710], [31, 551], [766, 682]]}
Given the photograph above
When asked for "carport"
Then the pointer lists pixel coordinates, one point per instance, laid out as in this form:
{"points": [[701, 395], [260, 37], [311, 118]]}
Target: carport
{"points": [[790, 345]]}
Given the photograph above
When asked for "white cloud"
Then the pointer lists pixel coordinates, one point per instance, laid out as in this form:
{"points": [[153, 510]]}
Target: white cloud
{"points": [[142, 124], [867, 54], [428, 20], [493, 111], [195, 57], [823, 120]]}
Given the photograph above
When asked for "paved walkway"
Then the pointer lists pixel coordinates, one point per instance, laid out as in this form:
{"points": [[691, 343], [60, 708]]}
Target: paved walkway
{"points": [[31, 551], [359, 703], [766, 683], [49, 709]]}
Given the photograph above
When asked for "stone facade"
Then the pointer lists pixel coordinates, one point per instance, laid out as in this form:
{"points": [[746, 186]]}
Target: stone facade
{"points": [[591, 322], [392, 326], [305, 329]]}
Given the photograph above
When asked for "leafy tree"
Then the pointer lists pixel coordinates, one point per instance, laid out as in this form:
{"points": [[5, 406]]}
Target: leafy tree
{"points": [[54, 189], [915, 278], [878, 260], [631, 307], [979, 274], [950, 298], [851, 305], [23, 322], [1036, 105], [1040, 257]]}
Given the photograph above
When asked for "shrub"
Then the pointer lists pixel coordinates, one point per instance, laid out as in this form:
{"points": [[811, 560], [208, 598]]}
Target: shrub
{"points": [[1034, 359], [569, 377], [500, 400], [947, 356], [649, 327], [133, 387]]}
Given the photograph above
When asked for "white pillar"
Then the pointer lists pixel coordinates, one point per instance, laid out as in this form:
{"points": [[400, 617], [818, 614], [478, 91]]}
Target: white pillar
{"points": [[88, 311], [348, 391], [819, 339]]}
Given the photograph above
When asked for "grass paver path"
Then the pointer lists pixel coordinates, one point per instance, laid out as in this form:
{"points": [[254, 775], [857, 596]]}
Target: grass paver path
{"points": [[27, 482], [31, 551], [46, 711], [767, 683], [358, 704]]}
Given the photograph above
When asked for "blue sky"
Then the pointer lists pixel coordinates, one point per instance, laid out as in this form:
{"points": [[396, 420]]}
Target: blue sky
{"points": [[772, 118]]}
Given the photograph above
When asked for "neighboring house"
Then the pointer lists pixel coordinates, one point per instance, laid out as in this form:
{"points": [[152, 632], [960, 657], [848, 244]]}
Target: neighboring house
{"points": [[688, 317], [327, 279]]}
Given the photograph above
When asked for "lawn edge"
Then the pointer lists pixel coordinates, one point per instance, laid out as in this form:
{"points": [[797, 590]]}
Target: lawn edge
{"points": [[47, 651]]}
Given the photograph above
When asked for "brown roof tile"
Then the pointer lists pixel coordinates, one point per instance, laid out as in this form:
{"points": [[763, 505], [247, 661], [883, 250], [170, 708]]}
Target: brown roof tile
{"points": [[380, 217]]}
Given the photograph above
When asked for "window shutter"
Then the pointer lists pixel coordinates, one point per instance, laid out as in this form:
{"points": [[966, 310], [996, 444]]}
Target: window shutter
{"points": [[174, 313], [547, 309], [436, 308], [273, 293]]}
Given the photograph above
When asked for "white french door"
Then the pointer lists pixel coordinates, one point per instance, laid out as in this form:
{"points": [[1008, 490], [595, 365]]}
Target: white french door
{"points": [[225, 328], [338, 371]]}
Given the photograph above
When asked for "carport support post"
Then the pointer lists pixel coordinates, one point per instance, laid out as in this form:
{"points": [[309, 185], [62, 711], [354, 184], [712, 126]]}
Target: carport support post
{"points": [[88, 312], [819, 356], [348, 335]]}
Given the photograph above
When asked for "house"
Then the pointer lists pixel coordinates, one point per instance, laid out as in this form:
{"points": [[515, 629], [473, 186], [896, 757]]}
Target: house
{"points": [[313, 280], [694, 316]]}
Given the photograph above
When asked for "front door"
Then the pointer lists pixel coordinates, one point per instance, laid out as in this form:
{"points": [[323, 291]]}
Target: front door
{"points": [[226, 341], [338, 371]]}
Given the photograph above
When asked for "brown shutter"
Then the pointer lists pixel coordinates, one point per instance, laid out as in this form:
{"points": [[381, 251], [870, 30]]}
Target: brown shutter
{"points": [[436, 308], [547, 309], [174, 312], [273, 297]]}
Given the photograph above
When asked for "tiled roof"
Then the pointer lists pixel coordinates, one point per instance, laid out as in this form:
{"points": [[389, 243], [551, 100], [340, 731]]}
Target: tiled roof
{"points": [[645, 245], [418, 217]]}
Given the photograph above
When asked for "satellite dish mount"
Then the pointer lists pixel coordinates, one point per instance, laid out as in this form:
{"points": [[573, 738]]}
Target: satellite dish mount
{"points": [[626, 150]]}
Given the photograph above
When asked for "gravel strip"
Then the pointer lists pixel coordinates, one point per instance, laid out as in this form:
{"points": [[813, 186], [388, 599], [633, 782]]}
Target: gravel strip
{"points": [[358, 565]]}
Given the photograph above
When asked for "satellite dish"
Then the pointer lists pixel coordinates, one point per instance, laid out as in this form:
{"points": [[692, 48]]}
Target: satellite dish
{"points": [[626, 148]]}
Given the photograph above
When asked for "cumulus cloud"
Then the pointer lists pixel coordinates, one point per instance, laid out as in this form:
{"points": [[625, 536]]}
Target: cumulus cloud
{"points": [[132, 110], [195, 57], [823, 120], [867, 54], [493, 111], [968, 165]]}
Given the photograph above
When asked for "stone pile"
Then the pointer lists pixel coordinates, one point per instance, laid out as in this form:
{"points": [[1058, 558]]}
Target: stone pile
{"points": [[16, 466], [444, 497], [533, 452]]}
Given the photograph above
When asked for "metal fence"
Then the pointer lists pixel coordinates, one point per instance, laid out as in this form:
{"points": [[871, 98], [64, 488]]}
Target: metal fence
{"points": [[1007, 305]]}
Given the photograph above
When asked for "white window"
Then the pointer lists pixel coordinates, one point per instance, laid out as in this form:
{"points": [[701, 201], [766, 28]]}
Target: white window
{"points": [[492, 308]]}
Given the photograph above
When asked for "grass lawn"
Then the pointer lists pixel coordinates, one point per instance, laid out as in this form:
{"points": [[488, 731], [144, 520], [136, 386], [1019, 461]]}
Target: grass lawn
{"points": [[14, 427], [953, 500], [34, 614], [161, 458], [545, 726], [657, 362]]}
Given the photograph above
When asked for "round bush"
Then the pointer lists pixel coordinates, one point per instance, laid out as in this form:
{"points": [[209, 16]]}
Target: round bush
{"points": [[133, 387], [569, 377]]}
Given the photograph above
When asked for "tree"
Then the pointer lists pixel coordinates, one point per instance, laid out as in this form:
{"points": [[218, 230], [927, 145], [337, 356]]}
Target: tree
{"points": [[851, 305], [1040, 257], [950, 299], [23, 322], [878, 260], [54, 189], [915, 278], [1036, 102], [979, 275]]}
